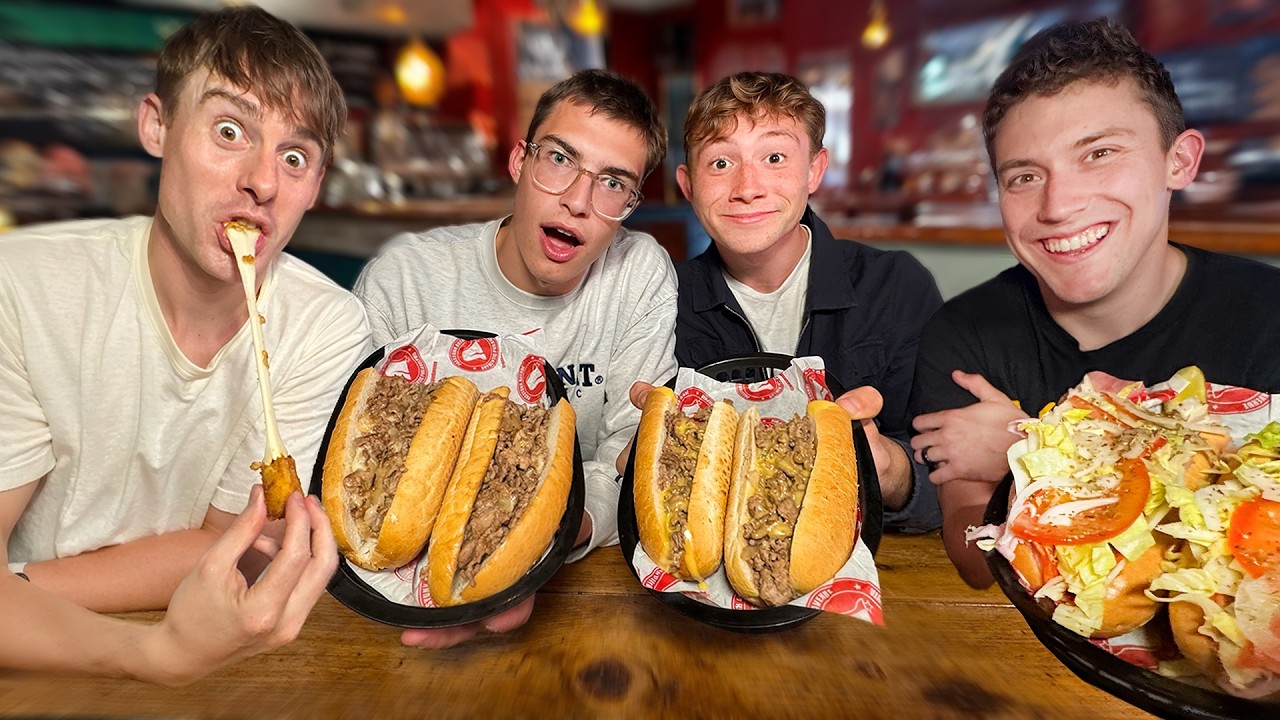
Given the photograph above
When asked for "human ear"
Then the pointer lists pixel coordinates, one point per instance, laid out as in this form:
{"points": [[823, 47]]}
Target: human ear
{"points": [[151, 127], [1184, 158], [817, 168], [515, 161], [683, 180]]}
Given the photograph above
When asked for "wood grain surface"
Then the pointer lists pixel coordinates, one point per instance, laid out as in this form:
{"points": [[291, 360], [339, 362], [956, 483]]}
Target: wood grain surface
{"points": [[599, 646]]}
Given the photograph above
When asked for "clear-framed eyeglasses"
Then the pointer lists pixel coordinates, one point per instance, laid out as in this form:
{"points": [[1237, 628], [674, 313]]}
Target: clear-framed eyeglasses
{"points": [[554, 172]]}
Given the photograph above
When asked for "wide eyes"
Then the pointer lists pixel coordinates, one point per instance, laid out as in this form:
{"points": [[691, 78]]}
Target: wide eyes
{"points": [[295, 159], [228, 131], [719, 164]]}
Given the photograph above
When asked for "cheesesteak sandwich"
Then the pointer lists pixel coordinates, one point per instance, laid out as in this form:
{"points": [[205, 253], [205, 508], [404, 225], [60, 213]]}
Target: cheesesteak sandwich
{"points": [[389, 461], [793, 504], [505, 499], [682, 469]]}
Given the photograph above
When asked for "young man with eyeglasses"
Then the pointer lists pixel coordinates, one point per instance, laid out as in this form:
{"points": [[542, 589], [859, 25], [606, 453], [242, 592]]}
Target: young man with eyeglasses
{"points": [[604, 297]]}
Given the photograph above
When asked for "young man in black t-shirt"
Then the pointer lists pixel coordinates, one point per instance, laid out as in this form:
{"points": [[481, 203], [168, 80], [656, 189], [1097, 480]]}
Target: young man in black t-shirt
{"points": [[1087, 139]]}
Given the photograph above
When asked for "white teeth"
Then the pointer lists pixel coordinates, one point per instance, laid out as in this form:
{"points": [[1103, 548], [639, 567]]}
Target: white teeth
{"points": [[1080, 240]]}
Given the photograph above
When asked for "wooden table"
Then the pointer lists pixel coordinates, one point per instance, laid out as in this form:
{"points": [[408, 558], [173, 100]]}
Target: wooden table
{"points": [[599, 646]]}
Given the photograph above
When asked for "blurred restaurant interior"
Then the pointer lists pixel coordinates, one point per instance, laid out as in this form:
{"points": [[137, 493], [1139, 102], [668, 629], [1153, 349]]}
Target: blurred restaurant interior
{"points": [[440, 90]]}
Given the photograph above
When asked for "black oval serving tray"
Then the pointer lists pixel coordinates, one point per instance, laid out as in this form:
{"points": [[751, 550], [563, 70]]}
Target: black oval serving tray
{"points": [[1159, 695]]}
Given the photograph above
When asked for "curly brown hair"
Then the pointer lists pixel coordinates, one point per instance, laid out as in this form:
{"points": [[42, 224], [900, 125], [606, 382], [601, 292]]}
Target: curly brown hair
{"points": [[1099, 50], [715, 112], [255, 51]]}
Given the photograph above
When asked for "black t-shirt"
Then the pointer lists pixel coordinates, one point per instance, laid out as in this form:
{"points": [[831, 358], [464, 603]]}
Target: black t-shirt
{"points": [[1224, 317]]}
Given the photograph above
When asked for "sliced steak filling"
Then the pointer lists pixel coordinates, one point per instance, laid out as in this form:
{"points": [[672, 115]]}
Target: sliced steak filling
{"points": [[384, 432], [784, 460], [675, 471], [508, 486]]}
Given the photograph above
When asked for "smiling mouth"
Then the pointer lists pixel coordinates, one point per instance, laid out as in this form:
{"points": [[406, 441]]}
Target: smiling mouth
{"points": [[1080, 241]]}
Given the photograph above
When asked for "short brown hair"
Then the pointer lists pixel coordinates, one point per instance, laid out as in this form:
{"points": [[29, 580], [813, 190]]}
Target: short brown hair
{"points": [[255, 51], [614, 95], [1099, 50], [714, 113]]}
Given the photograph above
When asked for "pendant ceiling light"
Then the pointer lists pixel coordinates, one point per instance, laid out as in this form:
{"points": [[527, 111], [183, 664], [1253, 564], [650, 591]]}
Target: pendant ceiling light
{"points": [[419, 73], [877, 32]]}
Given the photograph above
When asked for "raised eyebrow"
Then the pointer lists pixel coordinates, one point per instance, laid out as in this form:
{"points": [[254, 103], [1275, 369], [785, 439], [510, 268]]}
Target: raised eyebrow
{"points": [[251, 109], [572, 152]]}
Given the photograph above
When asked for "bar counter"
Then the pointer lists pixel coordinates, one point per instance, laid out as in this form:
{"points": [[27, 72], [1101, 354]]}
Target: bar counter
{"points": [[599, 646]]}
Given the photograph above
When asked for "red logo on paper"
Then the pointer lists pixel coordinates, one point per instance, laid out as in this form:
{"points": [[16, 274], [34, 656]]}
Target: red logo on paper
{"points": [[771, 421], [849, 596], [1139, 655], [1164, 396], [405, 362], [692, 397], [761, 391], [815, 384], [659, 579], [531, 378], [737, 603], [474, 355], [1235, 401]]}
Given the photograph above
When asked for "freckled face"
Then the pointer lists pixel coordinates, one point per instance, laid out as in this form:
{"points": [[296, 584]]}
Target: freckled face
{"points": [[750, 188]]}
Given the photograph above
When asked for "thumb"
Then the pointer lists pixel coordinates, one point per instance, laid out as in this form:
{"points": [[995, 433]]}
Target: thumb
{"points": [[861, 403], [241, 533], [978, 386], [640, 391]]}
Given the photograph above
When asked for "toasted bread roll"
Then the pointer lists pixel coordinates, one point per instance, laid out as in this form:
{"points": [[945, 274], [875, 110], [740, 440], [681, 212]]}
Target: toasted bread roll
{"points": [[505, 499], [390, 456], [1126, 605], [793, 504], [682, 483]]}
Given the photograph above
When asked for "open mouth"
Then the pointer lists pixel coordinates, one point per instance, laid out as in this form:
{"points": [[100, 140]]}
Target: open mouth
{"points": [[1078, 242], [559, 243]]}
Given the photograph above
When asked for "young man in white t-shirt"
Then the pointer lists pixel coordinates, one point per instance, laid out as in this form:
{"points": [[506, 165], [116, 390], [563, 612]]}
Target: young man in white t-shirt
{"points": [[776, 280], [604, 297], [127, 370]]}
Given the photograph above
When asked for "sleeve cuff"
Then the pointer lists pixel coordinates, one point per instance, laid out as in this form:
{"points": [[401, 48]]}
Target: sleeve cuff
{"points": [[601, 507], [921, 513]]}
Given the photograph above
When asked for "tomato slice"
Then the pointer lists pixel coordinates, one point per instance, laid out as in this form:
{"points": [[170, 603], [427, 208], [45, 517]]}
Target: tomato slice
{"points": [[1097, 412], [1254, 536], [1095, 524]]}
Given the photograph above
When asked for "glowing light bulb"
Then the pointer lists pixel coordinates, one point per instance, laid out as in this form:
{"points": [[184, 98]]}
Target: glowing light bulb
{"points": [[587, 20], [419, 73]]}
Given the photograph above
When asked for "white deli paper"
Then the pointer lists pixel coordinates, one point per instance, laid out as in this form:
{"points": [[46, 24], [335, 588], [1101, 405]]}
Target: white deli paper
{"points": [[855, 589]]}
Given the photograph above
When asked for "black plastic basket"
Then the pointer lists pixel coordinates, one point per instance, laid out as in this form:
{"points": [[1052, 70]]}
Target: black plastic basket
{"points": [[752, 369], [349, 589]]}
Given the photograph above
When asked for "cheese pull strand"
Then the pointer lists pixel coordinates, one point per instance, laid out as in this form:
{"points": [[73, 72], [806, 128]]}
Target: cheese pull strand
{"points": [[278, 473]]}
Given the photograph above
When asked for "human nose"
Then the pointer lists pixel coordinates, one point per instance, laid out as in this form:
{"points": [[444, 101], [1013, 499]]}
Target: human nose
{"points": [[260, 177], [746, 183], [1060, 198], [577, 198]]}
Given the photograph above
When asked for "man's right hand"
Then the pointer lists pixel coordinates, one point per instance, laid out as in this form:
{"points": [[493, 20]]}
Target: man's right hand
{"points": [[216, 618], [968, 443]]}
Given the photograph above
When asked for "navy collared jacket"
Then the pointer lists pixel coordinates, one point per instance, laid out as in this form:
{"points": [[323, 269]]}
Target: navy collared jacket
{"points": [[863, 317]]}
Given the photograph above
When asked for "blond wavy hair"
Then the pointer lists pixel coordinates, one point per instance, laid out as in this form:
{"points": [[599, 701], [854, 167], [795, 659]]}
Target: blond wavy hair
{"points": [[716, 111]]}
